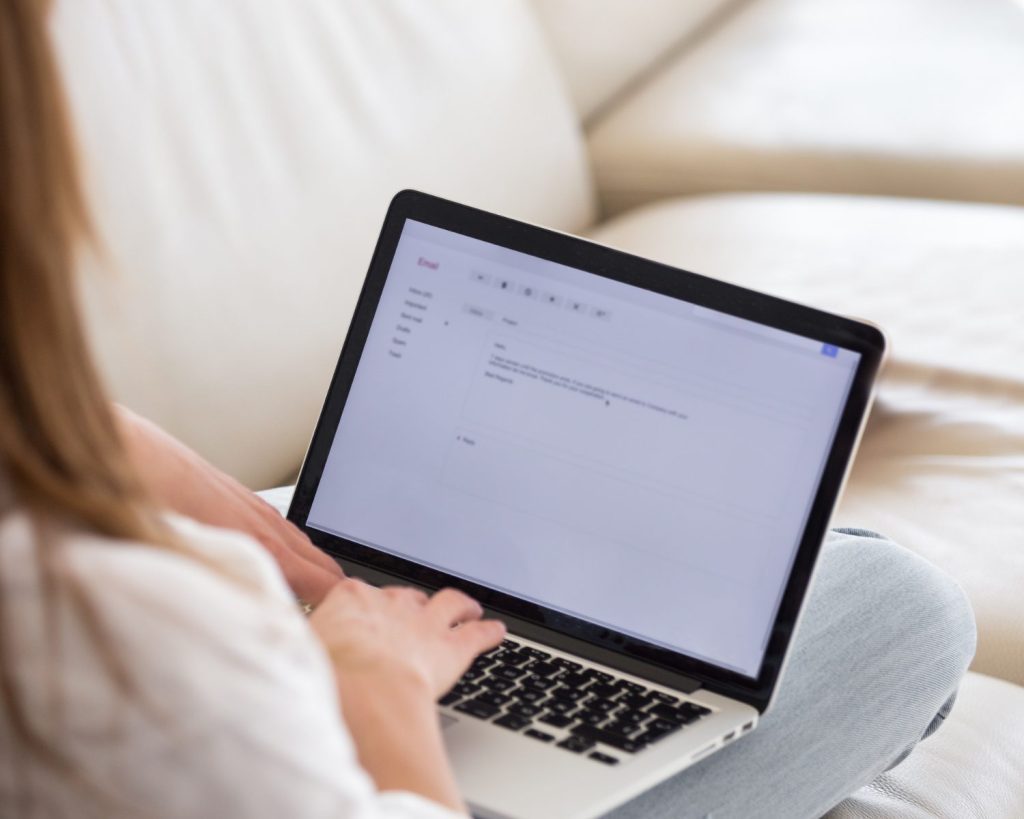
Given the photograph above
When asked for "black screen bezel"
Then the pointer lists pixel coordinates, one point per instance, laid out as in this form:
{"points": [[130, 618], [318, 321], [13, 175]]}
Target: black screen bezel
{"points": [[559, 629]]}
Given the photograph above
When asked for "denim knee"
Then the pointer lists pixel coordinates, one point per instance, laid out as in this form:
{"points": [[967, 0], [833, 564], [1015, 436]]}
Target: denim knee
{"points": [[921, 587], [931, 618]]}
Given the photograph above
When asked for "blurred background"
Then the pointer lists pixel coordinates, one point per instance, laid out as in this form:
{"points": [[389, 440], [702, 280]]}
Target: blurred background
{"points": [[864, 156]]}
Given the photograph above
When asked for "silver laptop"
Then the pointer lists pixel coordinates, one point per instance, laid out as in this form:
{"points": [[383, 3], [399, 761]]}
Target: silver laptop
{"points": [[633, 466]]}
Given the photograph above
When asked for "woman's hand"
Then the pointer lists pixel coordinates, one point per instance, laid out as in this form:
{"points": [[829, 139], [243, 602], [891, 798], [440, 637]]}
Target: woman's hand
{"points": [[395, 651], [402, 634], [181, 480]]}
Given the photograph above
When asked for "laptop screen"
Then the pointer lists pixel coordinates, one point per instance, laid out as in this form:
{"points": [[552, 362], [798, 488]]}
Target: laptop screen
{"points": [[627, 458]]}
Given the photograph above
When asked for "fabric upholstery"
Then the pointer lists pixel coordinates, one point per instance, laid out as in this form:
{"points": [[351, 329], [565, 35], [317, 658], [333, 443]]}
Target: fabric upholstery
{"points": [[911, 98], [971, 768], [240, 157], [941, 466], [604, 45]]}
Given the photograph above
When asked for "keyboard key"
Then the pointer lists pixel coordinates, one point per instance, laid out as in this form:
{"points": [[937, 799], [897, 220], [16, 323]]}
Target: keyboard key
{"points": [[604, 706], [568, 665], [464, 689], [449, 699], [493, 697], [591, 717], [623, 729], [607, 760], [536, 653], [530, 695], [576, 744], [672, 714], [661, 695], [561, 706], [543, 669], [630, 687], [480, 710], [570, 694], [608, 738], [513, 722], [509, 672], [513, 657], [574, 679], [557, 720], [603, 690], [524, 709], [652, 735], [632, 717], [535, 734], [691, 708], [637, 700], [539, 683], [497, 684], [506, 643], [597, 676]]}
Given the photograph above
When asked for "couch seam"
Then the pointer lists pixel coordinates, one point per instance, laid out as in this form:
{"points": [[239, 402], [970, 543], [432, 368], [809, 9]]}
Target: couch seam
{"points": [[704, 30]]}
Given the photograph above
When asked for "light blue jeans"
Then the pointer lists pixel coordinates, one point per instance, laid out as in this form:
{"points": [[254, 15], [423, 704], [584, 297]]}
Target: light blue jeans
{"points": [[875, 665]]}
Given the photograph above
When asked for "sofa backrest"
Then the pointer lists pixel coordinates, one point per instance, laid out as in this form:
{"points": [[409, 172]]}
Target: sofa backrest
{"points": [[239, 159], [605, 45]]}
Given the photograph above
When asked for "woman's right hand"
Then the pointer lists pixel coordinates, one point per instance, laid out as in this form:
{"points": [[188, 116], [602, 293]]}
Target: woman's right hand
{"points": [[395, 651], [402, 634]]}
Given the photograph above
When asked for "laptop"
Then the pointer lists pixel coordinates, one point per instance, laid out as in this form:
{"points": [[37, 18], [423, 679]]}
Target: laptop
{"points": [[633, 466]]}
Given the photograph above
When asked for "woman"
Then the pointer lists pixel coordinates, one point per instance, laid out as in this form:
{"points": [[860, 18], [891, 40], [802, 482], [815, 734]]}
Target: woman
{"points": [[148, 665], [152, 666]]}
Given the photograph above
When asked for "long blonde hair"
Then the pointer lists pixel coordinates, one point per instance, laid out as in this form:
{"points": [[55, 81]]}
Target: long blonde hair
{"points": [[61, 454]]}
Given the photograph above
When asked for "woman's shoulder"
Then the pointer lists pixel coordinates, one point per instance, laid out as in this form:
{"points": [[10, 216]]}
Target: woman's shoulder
{"points": [[207, 558]]}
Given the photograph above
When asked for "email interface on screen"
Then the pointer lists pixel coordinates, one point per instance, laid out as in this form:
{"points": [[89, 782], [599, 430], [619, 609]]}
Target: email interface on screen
{"points": [[634, 460]]}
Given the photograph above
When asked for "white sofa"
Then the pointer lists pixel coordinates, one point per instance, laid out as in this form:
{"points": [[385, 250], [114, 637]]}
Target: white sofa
{"points": [[239, 158]]}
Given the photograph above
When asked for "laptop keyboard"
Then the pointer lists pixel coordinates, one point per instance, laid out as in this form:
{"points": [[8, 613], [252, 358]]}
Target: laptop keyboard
{"points": [[557, 701]]}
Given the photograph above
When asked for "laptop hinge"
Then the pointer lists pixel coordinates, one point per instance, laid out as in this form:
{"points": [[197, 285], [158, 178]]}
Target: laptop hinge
{"points": [[597, 654]]}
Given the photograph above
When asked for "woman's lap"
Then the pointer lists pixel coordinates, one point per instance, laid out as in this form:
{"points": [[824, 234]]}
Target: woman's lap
{"points": [[880, 650]]}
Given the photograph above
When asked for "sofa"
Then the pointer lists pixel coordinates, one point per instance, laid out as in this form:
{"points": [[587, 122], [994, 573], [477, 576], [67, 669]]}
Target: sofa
{"points": [[859, 155]]}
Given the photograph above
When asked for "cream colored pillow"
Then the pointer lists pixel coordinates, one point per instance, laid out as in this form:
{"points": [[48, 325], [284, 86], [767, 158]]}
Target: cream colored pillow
{"points": [[240, 157]]}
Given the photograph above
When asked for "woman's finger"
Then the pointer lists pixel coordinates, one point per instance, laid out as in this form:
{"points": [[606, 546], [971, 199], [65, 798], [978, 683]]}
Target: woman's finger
{"points": [[313, 554], [296, 540], [307, 581], [406, 594], [451, 607], [477, 637]]}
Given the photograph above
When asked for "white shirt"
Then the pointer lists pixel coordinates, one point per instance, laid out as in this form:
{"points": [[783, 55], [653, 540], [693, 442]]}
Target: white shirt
{"points": [[236, 713]]}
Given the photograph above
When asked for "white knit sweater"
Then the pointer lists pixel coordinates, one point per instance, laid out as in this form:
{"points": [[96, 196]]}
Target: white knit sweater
{"points": [[236, 713]]}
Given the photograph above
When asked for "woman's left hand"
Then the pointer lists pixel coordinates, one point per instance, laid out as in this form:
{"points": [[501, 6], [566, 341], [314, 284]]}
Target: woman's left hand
{"points": [[181, 480]]}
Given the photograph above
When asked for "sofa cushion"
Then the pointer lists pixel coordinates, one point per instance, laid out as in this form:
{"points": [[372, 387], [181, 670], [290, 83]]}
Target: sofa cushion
{"points": [[604, 45], [240, 157], [915, 98], [941, 467], [972, 766]]}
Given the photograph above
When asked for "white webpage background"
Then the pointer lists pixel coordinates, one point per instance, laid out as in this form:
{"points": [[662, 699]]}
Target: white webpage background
{"points": [[628, 458]]}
